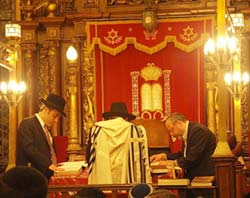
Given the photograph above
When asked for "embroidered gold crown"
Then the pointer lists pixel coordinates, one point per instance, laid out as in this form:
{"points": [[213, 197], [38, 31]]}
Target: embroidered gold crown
{"points": [[151, 72]]}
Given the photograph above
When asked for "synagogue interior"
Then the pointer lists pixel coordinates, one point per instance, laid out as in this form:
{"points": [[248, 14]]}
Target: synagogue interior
{"points": [[157, 56]]}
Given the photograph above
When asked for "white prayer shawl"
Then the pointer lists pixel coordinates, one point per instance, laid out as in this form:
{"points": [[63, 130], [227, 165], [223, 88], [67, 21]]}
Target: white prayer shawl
{"points": [[119, 157]]}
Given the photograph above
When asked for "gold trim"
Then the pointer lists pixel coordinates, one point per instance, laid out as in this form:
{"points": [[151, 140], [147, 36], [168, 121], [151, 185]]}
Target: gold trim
{"points": [[151, 72], [146, 113], [158, 112], [199, 85], [102, 80], [144, 48]]}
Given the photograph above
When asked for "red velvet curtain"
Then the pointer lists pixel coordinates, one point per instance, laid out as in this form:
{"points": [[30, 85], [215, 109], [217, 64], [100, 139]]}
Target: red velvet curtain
{"points": [[181, 52]]}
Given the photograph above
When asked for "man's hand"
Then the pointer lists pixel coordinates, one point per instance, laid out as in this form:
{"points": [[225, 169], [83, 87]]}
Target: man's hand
{"points": [[158, 157], [55, 168]]}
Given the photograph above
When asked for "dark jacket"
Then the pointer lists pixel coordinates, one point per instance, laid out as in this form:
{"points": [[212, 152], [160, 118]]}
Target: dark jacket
{"points": [[32, 146], [201, 143]]}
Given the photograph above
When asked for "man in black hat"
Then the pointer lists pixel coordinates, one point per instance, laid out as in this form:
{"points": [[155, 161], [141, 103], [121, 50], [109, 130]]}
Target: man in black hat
{"points": [[117, 149], [34, 140]]}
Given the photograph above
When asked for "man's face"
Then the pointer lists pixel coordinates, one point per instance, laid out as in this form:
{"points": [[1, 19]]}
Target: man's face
{"points": [[175, 129], [51, 116]]}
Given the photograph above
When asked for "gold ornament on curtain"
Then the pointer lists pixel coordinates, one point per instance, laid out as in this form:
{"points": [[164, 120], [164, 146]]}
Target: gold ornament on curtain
{"points": [[151, 97], [151, 72], [146, 93], [156, 97], [151, 93]]}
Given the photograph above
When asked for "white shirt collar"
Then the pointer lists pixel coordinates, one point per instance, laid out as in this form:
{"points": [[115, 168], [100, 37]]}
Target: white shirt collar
{"points": [[186, 131], [40, 120]]}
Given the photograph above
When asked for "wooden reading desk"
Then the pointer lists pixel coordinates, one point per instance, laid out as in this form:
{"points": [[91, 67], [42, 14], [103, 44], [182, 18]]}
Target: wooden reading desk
{"points": [[60, 186]]}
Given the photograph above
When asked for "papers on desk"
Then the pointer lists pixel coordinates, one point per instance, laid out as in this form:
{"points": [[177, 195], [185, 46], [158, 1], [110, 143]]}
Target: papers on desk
{"points": [[71, 168], [157, 168], [163, 169]]}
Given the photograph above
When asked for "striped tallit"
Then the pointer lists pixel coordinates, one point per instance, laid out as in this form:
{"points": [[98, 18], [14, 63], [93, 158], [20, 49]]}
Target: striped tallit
{"points": [[119, 153]]}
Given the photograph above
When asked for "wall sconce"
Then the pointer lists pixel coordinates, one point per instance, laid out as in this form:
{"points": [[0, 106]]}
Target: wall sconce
{"points": [[12, 92], [236, 83], [13, 31], [71, 54]]}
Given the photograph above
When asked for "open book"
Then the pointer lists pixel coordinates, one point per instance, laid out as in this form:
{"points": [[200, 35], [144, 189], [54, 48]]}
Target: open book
{"points": [[168, 175], [202, 181], [157, 168], [163, 168], [71, 168]]}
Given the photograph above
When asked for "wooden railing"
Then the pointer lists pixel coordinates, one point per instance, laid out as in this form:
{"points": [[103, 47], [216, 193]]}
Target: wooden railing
{"points": [[113, 188], [116, 188]]}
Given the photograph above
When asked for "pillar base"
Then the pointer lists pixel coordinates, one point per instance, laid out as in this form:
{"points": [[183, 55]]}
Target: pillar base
{"points": [[225, 176], [222, 150], [73, 151], [10, 165]]}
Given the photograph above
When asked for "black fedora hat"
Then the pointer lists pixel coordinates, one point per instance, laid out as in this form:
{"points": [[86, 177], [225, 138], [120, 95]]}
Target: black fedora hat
{"points": [[55, 102], [118, 109]]}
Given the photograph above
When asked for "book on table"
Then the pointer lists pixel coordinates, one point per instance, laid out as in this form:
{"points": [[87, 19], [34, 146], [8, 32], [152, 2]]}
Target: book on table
{"points": [[202, 181], [174, 182], [70, 168]]}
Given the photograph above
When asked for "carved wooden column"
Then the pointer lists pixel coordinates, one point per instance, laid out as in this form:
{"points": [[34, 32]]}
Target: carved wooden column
{"points": [[86, 85], [28, 48], [52, 63], [88, 91], [80, 94], [29, 67], [245, 102]]}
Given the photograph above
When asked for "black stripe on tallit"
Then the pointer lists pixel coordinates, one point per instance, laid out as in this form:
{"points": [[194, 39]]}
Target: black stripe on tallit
{"points": [[141, 149], [92, 148]]}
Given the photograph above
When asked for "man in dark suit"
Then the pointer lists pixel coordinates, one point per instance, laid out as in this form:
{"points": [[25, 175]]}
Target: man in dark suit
{"points": [[34, 141], [198, 146]]}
